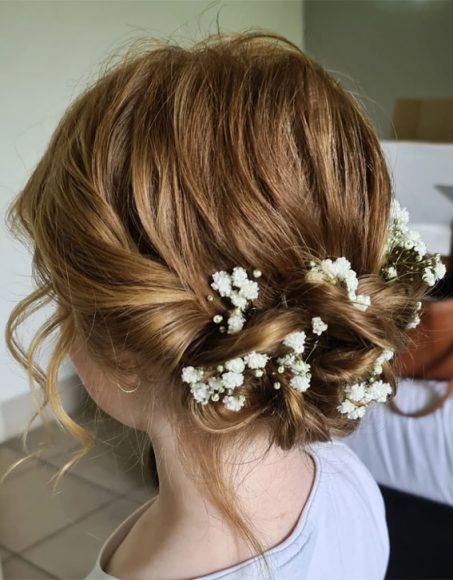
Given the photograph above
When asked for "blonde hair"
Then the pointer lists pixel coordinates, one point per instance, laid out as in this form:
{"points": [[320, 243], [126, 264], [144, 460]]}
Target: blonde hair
{"points": [[178, 162]]}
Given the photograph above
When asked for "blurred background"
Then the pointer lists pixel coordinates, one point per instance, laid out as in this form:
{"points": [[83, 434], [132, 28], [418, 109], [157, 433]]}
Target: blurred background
{"points": [[396, 57]]}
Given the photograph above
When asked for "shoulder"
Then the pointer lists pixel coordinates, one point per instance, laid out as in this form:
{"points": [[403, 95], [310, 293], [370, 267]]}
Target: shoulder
{"points": [[338, 460], [346, 484], [349, 511]]}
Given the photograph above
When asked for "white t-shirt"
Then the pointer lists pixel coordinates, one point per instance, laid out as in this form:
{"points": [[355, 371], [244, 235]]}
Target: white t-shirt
{"points": [[341, 533]]}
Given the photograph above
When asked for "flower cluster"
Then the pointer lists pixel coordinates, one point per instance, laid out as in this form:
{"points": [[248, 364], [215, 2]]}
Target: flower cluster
{"points": [[339, 271], [240, 290], [293, 361], [406, 252], [230, 375], [358, 396]]}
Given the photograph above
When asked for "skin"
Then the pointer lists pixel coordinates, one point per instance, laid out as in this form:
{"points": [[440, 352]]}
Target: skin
{"points": [[181, 534]]}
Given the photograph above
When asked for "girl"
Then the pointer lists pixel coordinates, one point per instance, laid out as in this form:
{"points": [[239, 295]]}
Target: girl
{"points": [[213, 225]]}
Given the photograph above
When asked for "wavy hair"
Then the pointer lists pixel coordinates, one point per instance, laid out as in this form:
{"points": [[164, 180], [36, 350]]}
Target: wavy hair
{"points": [[178, 162]]}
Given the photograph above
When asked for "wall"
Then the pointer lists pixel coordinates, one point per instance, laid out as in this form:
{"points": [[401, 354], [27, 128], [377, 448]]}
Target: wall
{"points": [[48, 51], [384, 49]]}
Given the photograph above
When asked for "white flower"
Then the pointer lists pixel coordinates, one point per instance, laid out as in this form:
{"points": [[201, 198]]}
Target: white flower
{"points": [[342, 266], [239, 276], [238, 300], [192, 374], [439, 268], [249, 290], [417, 243], [300, 382], [339, 271], [386, 355], [362, 301], [429, 277], [398, 215], [351, 410], [329, 269], [355, 392], [295, 341], [200, 392], [235, 323], [414, 322], [350, 279], [416, 318], [378, 391], [236, 365], [390, 272], [222, 283], [256, 360], [216, 384], [318, 325], [300, 367], [232, 379], [234, 402]]}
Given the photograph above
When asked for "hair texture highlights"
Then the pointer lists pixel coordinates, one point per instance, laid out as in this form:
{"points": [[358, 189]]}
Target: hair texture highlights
{"points": [[177, 162]]}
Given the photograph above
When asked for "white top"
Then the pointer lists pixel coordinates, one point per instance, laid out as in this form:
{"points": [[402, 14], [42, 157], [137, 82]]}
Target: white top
{"points": [[413, 455], [341, 533]]}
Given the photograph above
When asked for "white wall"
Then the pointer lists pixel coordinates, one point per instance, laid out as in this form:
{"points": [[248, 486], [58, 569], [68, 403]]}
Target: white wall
{"points": [[48, 51], [422, 176], [384, 49]]}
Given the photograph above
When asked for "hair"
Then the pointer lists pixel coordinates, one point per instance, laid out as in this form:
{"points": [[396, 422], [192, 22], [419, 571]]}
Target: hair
{"points": [[178, 162]]}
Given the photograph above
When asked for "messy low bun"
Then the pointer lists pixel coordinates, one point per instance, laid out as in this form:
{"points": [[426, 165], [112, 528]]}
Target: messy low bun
{"points": [[344, 355], [178, 162]]}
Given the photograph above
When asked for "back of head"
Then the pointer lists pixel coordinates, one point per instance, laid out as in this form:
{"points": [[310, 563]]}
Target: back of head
{"points": [[178, 162]]}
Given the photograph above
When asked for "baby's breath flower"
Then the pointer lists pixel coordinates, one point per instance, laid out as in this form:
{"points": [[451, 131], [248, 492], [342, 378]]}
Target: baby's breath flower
{"points": [[222, 283], [295, 341], [351, 410], [386, 355], [200, 392], [411, 251], [239, 276], [299, 367], [232, 379], [414, 322], [256, 360], [192, 374], [378, 391], [318, 325], [238, 300], [300, 382], [245, 291], [390, 272], [234, 402], [235, 323], [339, 271], [439, 267], [236, 365], [429, 276]]}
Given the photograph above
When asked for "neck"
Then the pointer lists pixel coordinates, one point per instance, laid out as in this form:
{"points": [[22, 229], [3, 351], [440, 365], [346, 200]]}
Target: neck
{"points": [[272, 491]]}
